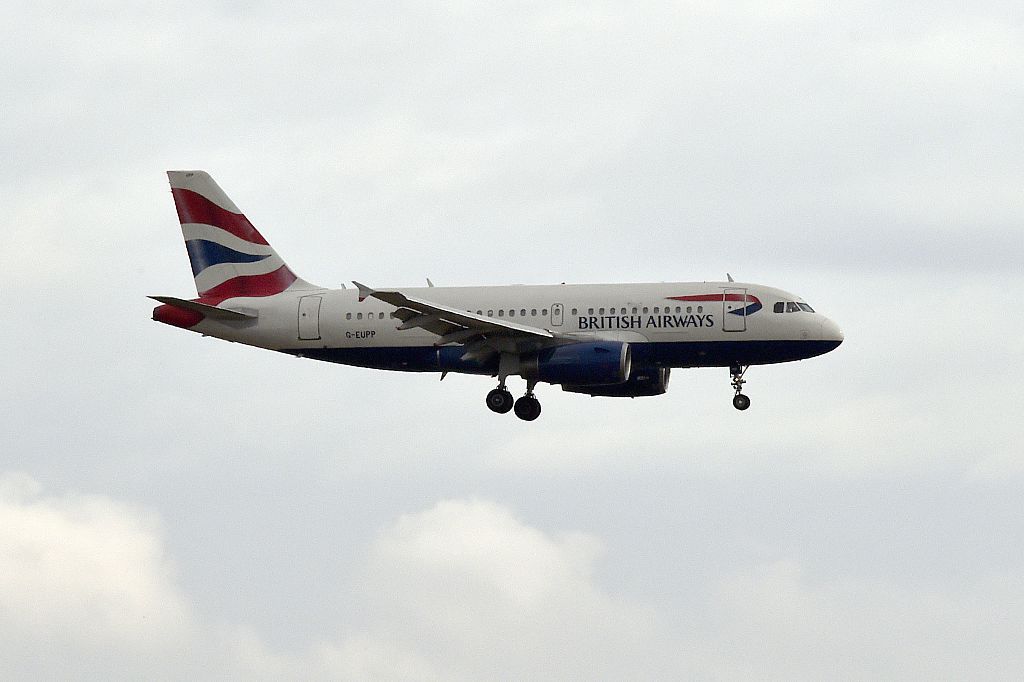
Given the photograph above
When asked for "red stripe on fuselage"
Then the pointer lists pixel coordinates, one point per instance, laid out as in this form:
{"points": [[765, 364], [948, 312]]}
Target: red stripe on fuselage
{"points": [[195, 208], [249, 285], [717, 297]]}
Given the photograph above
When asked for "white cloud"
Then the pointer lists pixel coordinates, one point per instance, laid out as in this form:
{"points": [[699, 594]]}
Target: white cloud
{"points": [[481, 595], [466, 590], [462, 590], [85, 582]]}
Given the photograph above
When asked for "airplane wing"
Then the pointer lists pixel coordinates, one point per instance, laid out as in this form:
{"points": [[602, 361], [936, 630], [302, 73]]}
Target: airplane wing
{"points": [[451, 324]]}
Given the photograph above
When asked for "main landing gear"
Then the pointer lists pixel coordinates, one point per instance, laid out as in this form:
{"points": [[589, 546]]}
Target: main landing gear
{"points": [[739, 401], [527, 407], [499, 400]]}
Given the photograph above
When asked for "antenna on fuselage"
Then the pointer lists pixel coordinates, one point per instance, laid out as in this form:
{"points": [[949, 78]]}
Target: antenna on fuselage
{"points": [[730, 277]]}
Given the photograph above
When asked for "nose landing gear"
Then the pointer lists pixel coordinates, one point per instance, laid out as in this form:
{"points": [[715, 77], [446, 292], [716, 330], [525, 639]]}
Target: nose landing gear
{"points": [[739, 401]]}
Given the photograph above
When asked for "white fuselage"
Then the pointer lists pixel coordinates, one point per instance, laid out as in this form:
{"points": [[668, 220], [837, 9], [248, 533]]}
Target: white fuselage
{"points": [[312, 322]]}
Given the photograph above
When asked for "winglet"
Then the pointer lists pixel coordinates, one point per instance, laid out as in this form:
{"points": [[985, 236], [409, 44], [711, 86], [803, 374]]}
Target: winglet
{"points": [[365, 292]]}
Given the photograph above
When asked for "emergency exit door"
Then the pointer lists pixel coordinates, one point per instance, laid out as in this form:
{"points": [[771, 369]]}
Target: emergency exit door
{"points": [[734, 310], [557, 315], [309, 318]]}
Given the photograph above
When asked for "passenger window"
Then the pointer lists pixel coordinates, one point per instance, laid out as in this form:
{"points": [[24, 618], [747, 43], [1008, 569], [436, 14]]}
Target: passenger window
{"points": [[600, 311], [780, 307], [573, 312], [544, 312], [523, 312], [678, 309], [590, 311], [381, 316], [533, 312], [501, 313], [657, 310], [490, 313], [479, 312], [645, 310], [511, 313], [634, 311], [792, 307], [359, 316], [700, 309], [348, 316]]}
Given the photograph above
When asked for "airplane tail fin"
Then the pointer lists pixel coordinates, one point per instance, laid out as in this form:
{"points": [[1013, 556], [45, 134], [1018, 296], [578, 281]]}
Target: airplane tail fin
{"points": [[229, 257]]}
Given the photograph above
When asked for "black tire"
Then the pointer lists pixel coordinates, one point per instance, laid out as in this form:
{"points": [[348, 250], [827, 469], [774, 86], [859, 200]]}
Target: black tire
{"points": [[499, 400], [740, 401], [527, 408]]}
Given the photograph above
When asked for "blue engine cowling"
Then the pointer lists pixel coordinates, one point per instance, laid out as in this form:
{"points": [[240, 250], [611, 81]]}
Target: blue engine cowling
{"points": [[595, 363], [644, 381]]}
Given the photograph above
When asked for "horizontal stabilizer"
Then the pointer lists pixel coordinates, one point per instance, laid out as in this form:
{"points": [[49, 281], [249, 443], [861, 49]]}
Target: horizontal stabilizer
{"points": [[210, 311]]}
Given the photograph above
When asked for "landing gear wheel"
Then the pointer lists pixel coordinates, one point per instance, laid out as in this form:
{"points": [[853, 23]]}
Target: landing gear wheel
{"points": [[736, 371], [527, 408], [499, 400]]}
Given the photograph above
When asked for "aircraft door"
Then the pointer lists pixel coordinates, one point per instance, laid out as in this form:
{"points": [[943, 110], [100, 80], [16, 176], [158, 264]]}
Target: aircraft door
{"points": [[309, 318], [557, 315], [734, 310]]}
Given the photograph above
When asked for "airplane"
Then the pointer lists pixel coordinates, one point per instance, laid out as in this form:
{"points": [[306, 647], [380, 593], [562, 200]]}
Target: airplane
{"points": [[615, 340]]}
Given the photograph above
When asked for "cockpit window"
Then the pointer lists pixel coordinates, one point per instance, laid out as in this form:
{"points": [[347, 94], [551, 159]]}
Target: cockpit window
{"points": [[791, 307]]}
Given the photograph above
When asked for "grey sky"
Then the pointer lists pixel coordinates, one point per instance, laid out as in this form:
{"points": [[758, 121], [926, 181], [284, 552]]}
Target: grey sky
{"points": [[180, 507]]}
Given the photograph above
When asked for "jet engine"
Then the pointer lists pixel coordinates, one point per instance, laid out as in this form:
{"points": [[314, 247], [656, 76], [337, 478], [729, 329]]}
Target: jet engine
{"points": [[595, 363], [646, 380]]}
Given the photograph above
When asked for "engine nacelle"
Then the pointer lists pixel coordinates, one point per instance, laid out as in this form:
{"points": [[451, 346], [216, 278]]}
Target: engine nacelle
{"points": [[645, 381], [591, 364]]}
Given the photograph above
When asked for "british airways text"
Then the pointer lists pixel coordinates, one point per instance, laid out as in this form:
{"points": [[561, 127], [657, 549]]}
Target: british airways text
{"points": [[650, 322]]}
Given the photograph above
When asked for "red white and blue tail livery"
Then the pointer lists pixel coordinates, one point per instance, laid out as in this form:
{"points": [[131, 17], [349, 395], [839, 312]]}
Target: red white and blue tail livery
{"points": [[229, 257], [618, 340]]}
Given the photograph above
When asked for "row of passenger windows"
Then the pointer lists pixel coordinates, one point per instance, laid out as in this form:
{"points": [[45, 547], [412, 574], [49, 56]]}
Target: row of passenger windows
{"points": [[599, 311], [490, 313], [645, 310], [792, 307], [522, 312], [512, 313]]}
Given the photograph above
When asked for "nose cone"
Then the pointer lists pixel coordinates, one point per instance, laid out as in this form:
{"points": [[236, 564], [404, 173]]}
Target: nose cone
{"points": [[831, 332]]}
